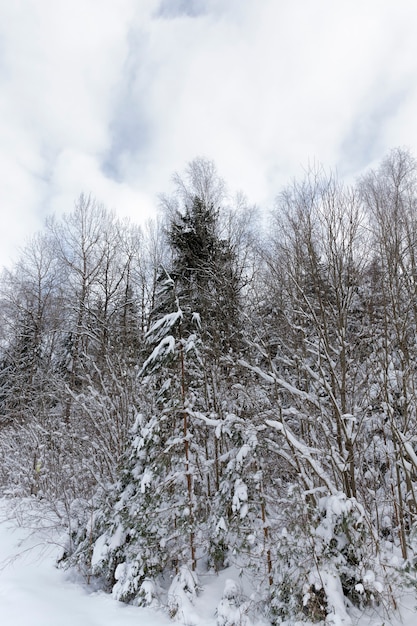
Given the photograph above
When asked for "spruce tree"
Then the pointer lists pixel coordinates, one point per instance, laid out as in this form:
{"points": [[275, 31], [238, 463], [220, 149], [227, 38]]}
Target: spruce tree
{"points": [[204, 269], [153, 524]]}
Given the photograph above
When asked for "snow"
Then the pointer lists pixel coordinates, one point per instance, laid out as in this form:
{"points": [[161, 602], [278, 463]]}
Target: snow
{"points": [[181, 597], [34, 591], [165, 347], [100, 549], [231, 610], [305, 453], [160, 328], [337, 615], [240, 498]]}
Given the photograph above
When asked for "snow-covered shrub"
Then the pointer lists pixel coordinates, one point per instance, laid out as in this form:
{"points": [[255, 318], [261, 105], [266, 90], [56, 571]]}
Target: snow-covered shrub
{"points": [[218, 547], [342, 538], [232, 609], [131, 585], [238, 524], [85, 526], [181, 595], [324, 556], [148, 595]]}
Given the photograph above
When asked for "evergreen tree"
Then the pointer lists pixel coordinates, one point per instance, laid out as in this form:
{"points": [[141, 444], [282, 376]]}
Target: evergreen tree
{"points": [[205, 272], [156, 510]]}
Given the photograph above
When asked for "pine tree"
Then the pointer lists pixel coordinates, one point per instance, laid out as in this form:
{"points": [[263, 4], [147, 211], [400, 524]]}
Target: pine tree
{"points": [[156, 509], [205, 273]]}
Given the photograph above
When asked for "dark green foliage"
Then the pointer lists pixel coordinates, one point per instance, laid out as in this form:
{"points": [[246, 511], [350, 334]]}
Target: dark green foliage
{"points": [[204, 269]]}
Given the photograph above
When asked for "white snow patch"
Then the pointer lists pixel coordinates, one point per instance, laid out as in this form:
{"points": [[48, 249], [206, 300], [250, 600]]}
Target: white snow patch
{"points": [[240, 498], [100, 551]]}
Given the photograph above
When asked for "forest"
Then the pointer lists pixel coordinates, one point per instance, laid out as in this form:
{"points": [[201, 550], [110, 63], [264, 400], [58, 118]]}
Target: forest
{"points": [[224, 388]]}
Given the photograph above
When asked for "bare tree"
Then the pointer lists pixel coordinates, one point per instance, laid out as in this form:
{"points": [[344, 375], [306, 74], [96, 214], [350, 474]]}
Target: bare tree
{"points": [[390, 196]]}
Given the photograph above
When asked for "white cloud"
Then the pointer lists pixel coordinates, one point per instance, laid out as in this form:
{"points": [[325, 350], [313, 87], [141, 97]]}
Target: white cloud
{"points": [[61, 62], [112, 97]]}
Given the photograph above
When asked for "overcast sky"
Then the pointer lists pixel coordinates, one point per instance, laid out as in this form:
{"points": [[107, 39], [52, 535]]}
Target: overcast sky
{"points": [[111, 97]]}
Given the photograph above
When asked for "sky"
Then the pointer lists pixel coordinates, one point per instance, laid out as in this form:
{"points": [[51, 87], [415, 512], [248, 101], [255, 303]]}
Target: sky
{"points": [[111, 97]]}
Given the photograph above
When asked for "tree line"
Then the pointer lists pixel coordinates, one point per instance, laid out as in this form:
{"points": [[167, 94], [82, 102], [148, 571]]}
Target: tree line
{"points": [[219, 390]]}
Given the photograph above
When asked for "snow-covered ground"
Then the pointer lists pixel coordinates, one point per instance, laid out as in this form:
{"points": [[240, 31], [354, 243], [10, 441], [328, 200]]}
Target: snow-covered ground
{"points": [[34, 592]]}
